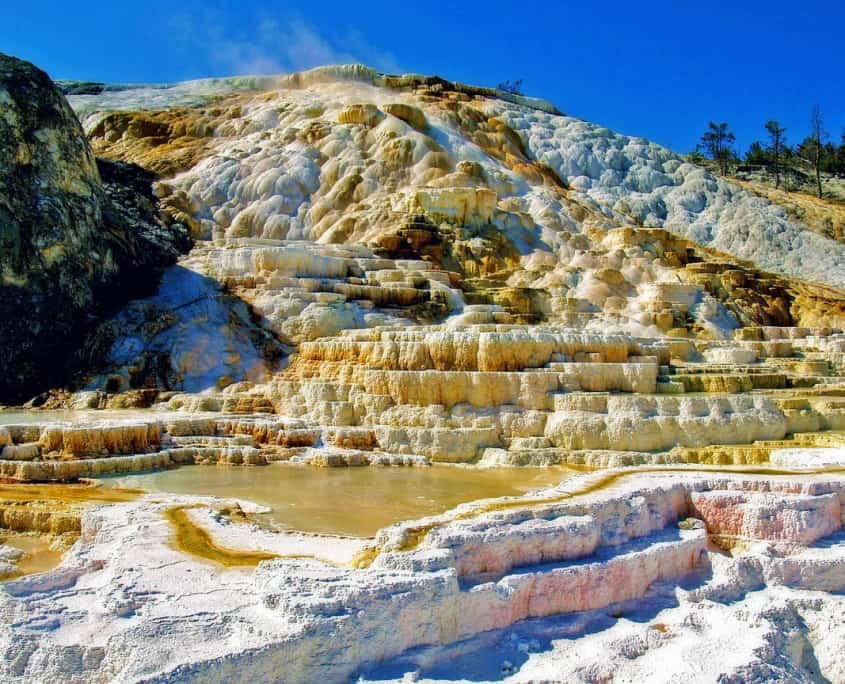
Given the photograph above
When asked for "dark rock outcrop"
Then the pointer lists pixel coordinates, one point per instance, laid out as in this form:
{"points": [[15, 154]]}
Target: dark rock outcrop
{"points": [[78, 237]]}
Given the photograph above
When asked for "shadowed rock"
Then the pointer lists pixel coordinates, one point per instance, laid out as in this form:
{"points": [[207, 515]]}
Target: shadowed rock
{"points": [[77, 237]]}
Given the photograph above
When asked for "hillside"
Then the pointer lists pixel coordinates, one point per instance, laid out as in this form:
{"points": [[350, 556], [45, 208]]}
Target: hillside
{"points": [[308, 194], [825, 216]]}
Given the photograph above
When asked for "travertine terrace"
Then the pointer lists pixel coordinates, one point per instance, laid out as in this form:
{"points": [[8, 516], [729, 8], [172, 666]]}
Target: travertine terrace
{"points": [[405, 271]]}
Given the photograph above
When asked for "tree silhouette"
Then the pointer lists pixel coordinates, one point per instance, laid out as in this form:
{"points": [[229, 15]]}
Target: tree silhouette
{"points": [[777, 134], [816, 145], [717, 142], [513, 87]]}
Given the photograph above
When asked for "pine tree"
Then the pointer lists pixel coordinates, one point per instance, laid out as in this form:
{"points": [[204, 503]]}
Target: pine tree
{"points": [[817, 137], [717, 143], [777, 134], [757, 154]]}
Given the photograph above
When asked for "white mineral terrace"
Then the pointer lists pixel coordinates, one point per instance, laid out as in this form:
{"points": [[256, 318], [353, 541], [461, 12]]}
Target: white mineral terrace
{"points": [[615, 543], [701, 500]]}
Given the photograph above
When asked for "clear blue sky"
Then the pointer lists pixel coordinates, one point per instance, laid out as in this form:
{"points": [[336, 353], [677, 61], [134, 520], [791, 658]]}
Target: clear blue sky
{"points": [[657, 68]]}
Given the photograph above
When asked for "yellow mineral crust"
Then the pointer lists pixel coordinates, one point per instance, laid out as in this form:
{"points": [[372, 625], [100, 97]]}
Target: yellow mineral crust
{"points": [[42, 521], [37, 553], [193, 539], [165, 142]]}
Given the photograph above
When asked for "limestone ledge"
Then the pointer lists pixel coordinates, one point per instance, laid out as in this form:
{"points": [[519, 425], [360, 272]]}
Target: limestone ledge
{"points": [[62, 451], [462, 392], [520, 388], [332, 458], [628, 423], [488, 564], [304, 291], [612, 507], [482, 348]]}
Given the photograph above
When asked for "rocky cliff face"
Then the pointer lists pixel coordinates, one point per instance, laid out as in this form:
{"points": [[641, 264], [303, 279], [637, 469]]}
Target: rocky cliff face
{"points": [[77, 237]]}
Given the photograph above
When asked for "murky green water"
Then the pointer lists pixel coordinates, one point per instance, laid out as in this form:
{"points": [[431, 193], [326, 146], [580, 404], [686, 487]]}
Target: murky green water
{"points": [[347, 501]]}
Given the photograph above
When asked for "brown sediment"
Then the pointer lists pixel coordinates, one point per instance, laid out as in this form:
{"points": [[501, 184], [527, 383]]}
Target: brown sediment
{"points": [[365, 557], [164, 142], [190, 538], [234, 513], [52, 509], [414, 536], [727, 543], [38, 518]]}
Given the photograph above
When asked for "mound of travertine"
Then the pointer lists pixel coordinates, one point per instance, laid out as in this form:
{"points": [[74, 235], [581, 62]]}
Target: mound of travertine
{"points": [[340, 199], [404, 270]]}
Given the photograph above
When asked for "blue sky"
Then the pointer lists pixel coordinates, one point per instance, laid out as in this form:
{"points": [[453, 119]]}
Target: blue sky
{"points": [[658, 68]]}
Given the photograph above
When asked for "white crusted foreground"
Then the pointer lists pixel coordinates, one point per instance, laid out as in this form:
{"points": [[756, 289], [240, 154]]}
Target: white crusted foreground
{"points": [[610, 575]]}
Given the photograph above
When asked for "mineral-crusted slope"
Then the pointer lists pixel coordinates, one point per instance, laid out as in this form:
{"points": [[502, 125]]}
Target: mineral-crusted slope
{"points": [[340, 198], [600, 543]]}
